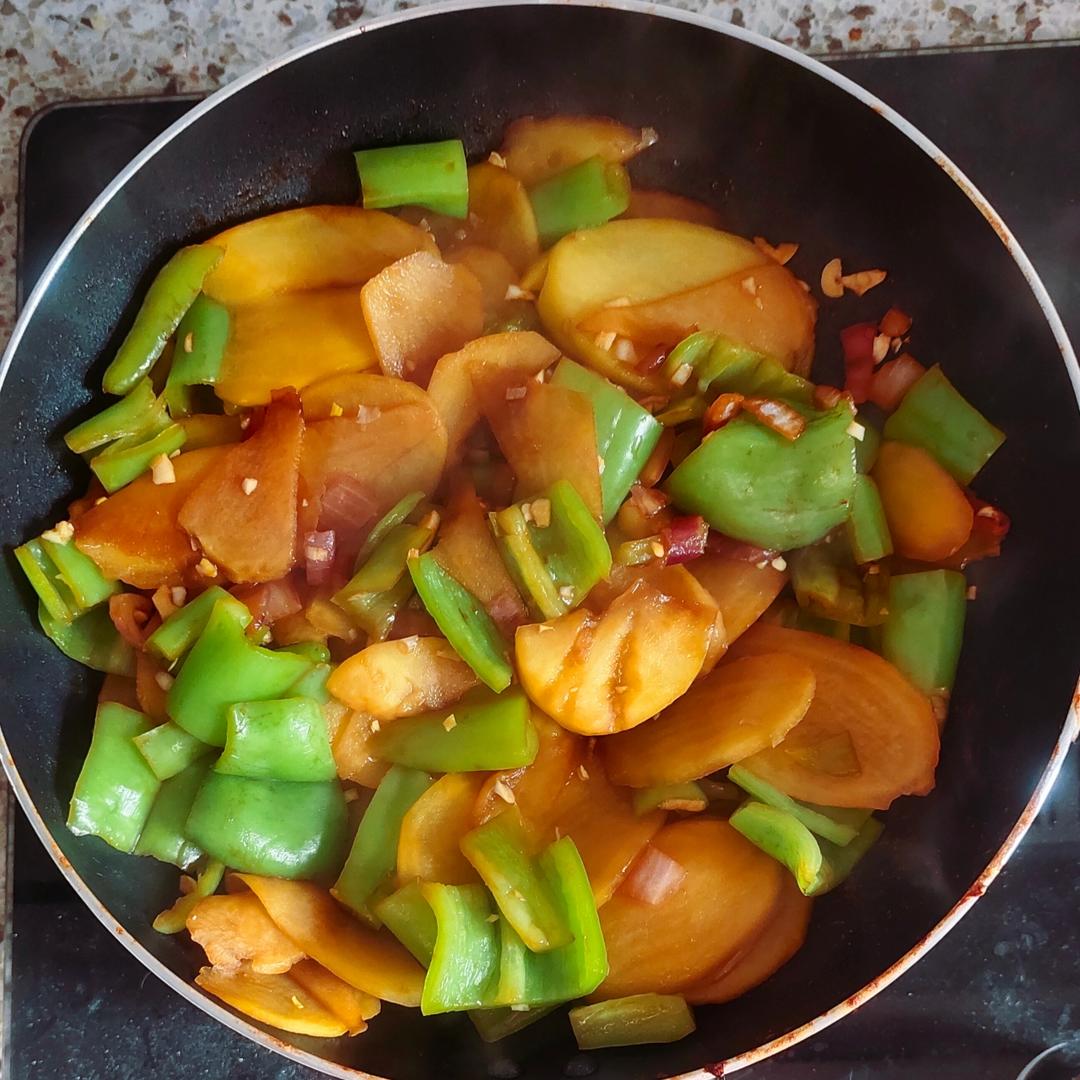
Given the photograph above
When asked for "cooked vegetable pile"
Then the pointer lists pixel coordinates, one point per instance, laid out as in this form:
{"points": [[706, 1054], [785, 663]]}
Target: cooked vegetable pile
{"points": [[492, 606]]}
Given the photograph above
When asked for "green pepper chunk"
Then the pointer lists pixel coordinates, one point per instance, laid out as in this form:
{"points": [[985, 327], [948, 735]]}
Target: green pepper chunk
{"points": [[44, 577], [183, 627], [86, 583], [170, 294], [433, 175], [116, 789], [688, 797], [273, 827], [136, 411], [201, 339], [314, 652], [683, 411], [131, 457], [840, 825], [313, 684], [752, 484], [866, 448], [374, 613], [283, 739], [365, 592], [495, 1024], [464, 968], [408, 916], [222, 668], [626, 434], [838, 862], [91, 640], [497, 850], [867, 530], [935, 416], [925, 628], [169, 749], [632, 1021], [206, 884], [398, 514], [581, 197], [828, 585], [483, 731], [164, 835], [374, 850]]}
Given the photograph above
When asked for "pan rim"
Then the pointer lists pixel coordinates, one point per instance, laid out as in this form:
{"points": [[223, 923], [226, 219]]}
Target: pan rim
{"points": [[1071, 726]]}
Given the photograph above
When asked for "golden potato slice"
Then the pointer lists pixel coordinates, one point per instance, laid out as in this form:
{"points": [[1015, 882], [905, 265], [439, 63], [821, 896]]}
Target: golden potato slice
{"points": [[501, 215], [729, 893], [344, 395], [744, 706], [743, 591], [868, 737], [535, 149], [232, 929], [601, 672], [352, 1006], [419, 308], [488, 365], [314, 247], [631, 261], [353, 746], [494, 272], [431, 831], [645, 203]]}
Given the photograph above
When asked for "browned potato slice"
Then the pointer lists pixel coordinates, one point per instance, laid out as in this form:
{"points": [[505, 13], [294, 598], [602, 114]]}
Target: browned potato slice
{"points": [[744, 706], [429, 846], [232, 929], [645, 203], [494, 272], [354, 751], [742, 590], [501, 215]]}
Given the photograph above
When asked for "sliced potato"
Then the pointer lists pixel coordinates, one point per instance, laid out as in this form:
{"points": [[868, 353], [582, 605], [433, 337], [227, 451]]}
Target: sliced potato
{"points": [[729, 892], [646, 203], [743, 591], [419, 308], [344, 396], [400, 678], [744, 706], [314, 247], [868, 737], [494, 272], [234, 929], [598, 673], [352, 1006], [354, 751], [429, 846], [631, 261], [501, 215]]}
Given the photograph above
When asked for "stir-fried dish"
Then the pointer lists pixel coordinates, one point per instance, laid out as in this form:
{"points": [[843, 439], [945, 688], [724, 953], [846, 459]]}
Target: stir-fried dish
{"points": [[494, 613]]}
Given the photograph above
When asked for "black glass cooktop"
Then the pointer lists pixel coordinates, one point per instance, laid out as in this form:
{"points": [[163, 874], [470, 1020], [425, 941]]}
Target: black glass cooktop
{"points": [[999, 991]]}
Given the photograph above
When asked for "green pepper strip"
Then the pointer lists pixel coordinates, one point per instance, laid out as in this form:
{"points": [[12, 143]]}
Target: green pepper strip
{"points": [[374, 613], [87, 584], [408, 916], [632, 1021], [489, 732], [313, 684], [581, 197], [183, 627], [867, 529], [284, 739], [497, 850], [840, 825], [838, 862], [399, 513], [206, 884], [116, 789], [384, 568], [374, 851], [464, 968], [626, 434], [866, 448], [126, 459], [935, 416], [465, 623], [828, 586], [314, 652], [201, 339], [170, 294], [134, 412], [164, 835], [44, 577], [524, 562], [925, 628], [495, 1024], [273, 827], [687, 797], [92, 640], [169, 749], [222, 668], [433, 175]]}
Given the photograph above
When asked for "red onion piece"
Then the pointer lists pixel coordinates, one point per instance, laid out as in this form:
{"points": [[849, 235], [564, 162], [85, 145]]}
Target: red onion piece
{"points": [[131, 614], [858, 344], [684, 539], [894, 379], [654, 877], [895, 323], [346, 506], [727, 548], [270, 601], [989, 527], [319, 556]]}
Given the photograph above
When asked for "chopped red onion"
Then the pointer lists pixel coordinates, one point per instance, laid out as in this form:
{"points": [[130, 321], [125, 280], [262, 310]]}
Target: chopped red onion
{"points": [[684, 539], [654, 877]]}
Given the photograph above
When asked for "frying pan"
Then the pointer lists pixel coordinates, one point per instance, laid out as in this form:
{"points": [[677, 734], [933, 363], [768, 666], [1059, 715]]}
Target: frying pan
{"points": [[783, 147]]}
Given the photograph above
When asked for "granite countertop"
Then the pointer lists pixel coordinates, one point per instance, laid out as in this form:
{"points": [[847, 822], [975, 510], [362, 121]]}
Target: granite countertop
{"points": [[56, 50]]}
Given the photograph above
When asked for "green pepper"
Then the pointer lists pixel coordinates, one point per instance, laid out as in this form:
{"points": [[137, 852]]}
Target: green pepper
{"points": [[690, 352], [828, 585], [169, 749], [632, 1021], [683, 411], [283, 739], [313, 684], [136, 411], [374, 850], [483, 731], [433, 175], [92, 640], [867, 529], [925, 628], [201, 339], [795, 617], [838, 862], [866, 448], [222, 668], [408, 916], [44, 577], [183, 627], [164, 835], [581, 197], [464, 969], [687, 797], [840, 825], [374, 613], [935, 416], [402, 511], [86, 583], [170, 294], [752, 484], [495, 1024], [465, 623], [131, 457], [206, 884], [626, 434], [314, 652], [524, 563], [275, 827], [497, 850], [116, 789]]}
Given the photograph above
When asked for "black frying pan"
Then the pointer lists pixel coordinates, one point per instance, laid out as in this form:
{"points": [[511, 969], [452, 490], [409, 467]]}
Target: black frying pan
{"points": [[783, 147]]}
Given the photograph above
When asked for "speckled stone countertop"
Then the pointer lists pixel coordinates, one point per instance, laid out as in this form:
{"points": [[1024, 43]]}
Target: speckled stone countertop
{"points": [[56, 50]]}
